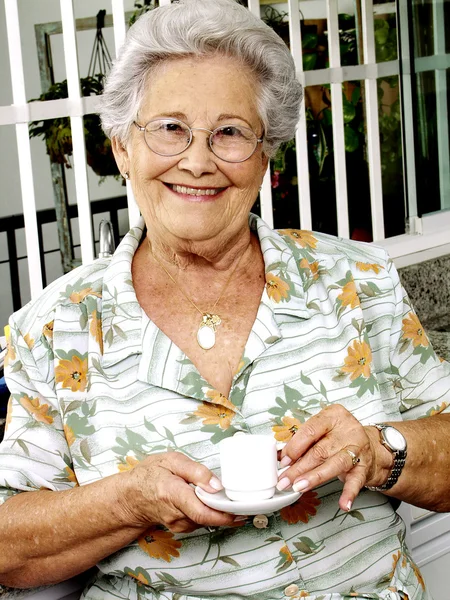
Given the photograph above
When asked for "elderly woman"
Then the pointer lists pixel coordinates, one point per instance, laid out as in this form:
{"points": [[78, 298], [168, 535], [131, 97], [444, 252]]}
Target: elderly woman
{"points": [[126, 373]]}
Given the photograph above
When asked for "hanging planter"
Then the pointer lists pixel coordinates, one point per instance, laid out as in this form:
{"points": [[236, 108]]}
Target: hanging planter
{"points": [[57, 133]]}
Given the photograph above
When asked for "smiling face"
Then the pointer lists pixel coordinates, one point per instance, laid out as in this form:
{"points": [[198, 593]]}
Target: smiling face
{"points": [[195, 197]]}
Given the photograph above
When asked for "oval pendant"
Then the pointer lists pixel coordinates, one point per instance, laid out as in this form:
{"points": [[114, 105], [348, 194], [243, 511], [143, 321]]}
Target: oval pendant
{"points": [[206, 337]]}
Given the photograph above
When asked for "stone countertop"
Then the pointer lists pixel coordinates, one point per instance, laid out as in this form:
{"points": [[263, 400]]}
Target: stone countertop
{"points": [[428, 286]]}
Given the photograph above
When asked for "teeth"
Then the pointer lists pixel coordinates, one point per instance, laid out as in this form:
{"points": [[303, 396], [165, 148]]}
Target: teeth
{"points": [[193, 191]]}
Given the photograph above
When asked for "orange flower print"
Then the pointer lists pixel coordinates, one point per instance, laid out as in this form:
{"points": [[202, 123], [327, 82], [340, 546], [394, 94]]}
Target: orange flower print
{"points": [[128, 465], [8, 414], [313, 267], [277, 288], [77, 297], [302, 510], [286, 553], [29, 341], [283, 433], [413, 330], [95, 329], [71, 475], [10, 354], [418, 575], [302, 237], [395, 560], [158, 543], [438, 409], [69, 434], [213, 414], [139, 575], [216, 397], [38, 410], [47, 330], [358, 360], [369, 267], [72, 373], [349, 295]]}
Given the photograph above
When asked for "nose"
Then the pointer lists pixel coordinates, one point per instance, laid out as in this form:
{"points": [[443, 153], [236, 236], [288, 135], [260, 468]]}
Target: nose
{"points": [[198, 157]]}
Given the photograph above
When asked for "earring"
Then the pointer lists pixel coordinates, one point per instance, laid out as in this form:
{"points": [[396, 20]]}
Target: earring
{"points": [[126, 175]]}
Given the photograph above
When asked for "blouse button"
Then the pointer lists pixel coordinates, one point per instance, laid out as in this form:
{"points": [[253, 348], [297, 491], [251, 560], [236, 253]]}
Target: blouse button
{"points": [[291, 590], [260, 521]]}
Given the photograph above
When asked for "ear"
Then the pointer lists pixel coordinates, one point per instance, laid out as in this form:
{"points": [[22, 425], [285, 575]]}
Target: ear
{"points": [[121, 155]]}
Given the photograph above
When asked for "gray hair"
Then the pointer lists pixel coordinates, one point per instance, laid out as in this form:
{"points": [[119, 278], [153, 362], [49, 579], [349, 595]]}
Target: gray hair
{"points": [[204, 28]]}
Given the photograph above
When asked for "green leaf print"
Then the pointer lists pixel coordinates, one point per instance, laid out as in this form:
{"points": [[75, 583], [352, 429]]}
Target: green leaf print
{"points": [[218, 433], [120, 332], [229, 561], [24, 447], [197, 383], [425, 353], [79, 425], [85, 450], [364, 385]]}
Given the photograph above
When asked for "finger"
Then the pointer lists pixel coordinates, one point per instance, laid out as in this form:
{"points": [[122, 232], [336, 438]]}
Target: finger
{"points": [[307, 435], [354, 482], [336, 465], [194, 472], [203, 515]]}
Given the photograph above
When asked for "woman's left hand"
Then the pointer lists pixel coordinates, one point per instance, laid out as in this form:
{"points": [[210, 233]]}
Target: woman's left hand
{"points": [[329, 445]]}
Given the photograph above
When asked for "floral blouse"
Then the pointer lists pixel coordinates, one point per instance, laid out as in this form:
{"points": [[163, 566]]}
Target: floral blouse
{"points": [[96, 387]]}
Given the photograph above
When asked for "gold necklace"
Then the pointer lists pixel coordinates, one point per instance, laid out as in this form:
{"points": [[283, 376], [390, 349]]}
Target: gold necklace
{"points": [[206, 333]]}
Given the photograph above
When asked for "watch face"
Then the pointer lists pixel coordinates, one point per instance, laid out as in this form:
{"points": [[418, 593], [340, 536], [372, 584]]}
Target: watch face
{"points": [[394, 438]]}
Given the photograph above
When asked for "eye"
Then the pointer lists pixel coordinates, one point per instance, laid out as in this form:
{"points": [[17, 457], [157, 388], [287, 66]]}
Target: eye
{"points": [[229, 131]]}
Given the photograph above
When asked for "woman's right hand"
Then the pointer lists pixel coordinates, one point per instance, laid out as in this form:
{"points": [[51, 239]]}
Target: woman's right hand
{"points": [[157, 491]]}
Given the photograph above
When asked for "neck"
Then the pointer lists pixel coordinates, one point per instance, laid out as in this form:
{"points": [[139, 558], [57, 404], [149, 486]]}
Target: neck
{"points": [[205, 256]]}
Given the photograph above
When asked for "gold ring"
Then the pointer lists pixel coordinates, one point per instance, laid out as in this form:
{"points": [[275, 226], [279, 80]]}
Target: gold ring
{"points": [[355, 459]]}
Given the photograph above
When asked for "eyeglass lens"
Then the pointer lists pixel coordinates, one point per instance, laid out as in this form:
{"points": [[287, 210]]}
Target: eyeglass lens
{"points": [[168, 137]]}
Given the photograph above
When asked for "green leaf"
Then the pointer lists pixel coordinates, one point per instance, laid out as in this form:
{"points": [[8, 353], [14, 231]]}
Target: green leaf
{"points": [[304, 548], [109, 337], [189, 420], [412, 401], [272, 339], [351, 139], [367, 290], [356, 95], [149, 425], [74, 405], [312, 306], [356, 514], [85, 450], [274, 538], [323, 390], [309, 41], [120, 332], [23, 446], [305, 380], [349, 111], [309, 61], [229, 561]]}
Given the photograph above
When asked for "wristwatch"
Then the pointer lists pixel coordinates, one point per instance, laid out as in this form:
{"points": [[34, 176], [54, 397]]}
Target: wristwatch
{"points": [[395, 442]]}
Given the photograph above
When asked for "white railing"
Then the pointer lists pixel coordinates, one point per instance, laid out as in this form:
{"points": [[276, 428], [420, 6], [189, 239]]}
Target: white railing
{"points": [[435, 238]]}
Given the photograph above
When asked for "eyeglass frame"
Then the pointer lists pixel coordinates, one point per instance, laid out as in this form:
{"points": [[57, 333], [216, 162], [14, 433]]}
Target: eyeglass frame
{"points": [[191, 137]]}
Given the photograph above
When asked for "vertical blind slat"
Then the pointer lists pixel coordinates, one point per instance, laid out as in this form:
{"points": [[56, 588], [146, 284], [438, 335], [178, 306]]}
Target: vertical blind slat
{"points": [[373, 133], [338, 122], [301, 143], [23, 149], [76, 124]]}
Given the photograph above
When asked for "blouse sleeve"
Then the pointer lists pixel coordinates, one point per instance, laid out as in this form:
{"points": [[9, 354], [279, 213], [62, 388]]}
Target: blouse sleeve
{"points": [[421, 378], [34, 453]]}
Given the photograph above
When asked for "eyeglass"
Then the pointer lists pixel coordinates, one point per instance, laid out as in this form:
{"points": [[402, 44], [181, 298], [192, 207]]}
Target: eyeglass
{"points": [[169, 137]]}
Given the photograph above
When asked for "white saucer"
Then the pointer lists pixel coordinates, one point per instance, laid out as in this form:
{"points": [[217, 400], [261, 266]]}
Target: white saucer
{"points": [[219, 501]]}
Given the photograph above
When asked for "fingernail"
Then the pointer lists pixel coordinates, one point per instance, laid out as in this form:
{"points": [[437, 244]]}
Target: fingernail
{"points": [[215, 483], [285, 461], [301, 485], [240, 518], [283, 484], [349, 505]]}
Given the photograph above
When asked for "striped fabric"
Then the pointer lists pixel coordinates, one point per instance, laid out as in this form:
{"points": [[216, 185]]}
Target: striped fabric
{"points": [[96, 387]]}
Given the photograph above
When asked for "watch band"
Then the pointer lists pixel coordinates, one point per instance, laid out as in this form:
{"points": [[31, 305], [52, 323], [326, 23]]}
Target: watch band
{"points": [[399, 461]]}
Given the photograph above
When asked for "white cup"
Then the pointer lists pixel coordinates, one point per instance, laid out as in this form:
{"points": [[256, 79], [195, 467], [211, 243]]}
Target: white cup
{"points": [[249, 466]]}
